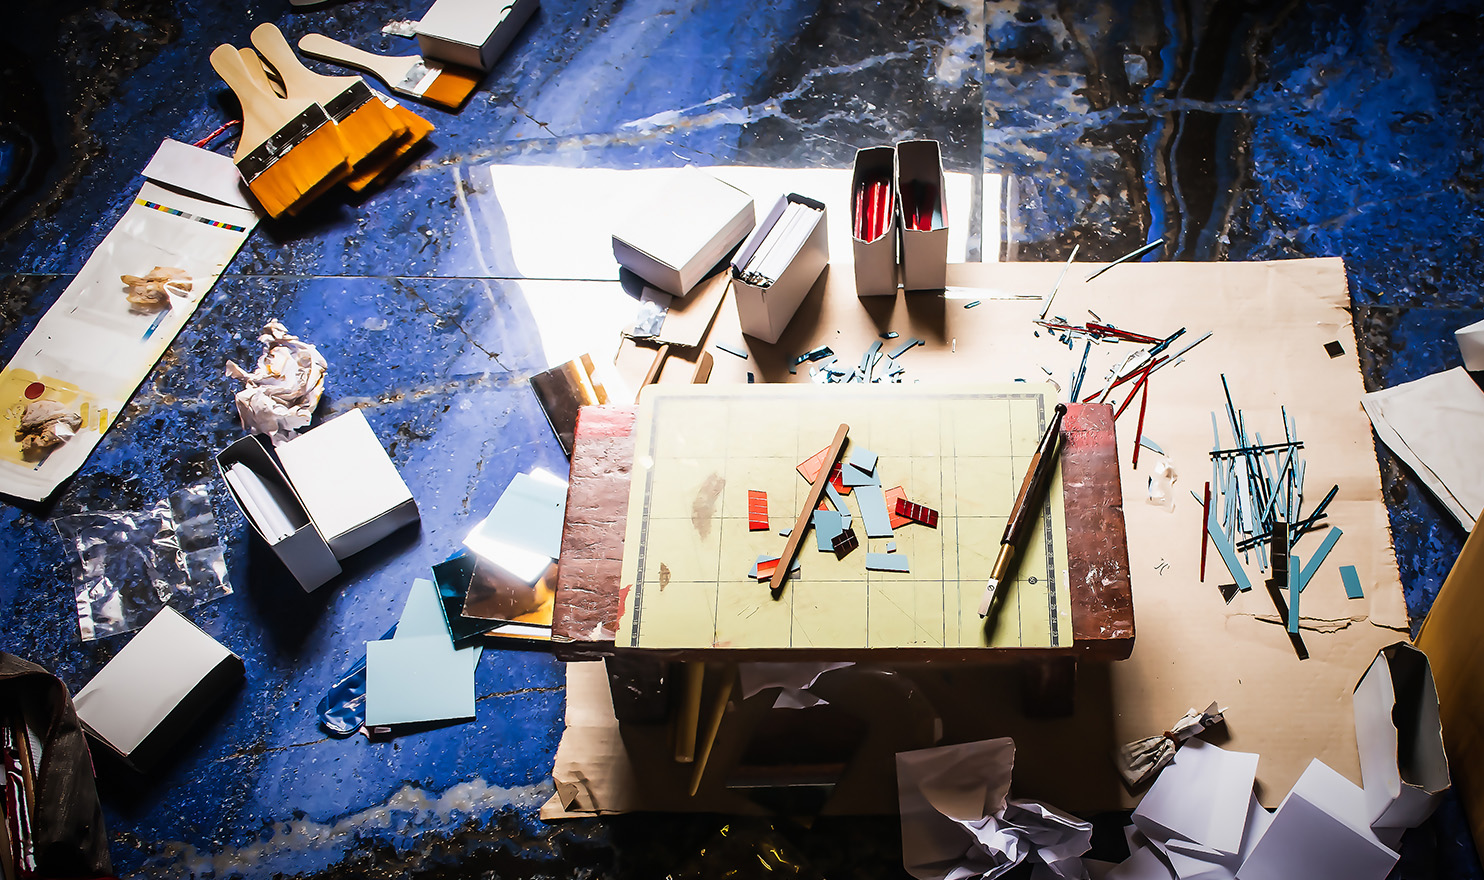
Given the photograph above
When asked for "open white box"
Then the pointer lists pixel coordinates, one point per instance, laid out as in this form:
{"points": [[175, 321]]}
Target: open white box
{"points": [[162, 681], [919, 172], [474, 33], [1399, 732], [337, 487], [876, 259], [676, 236], [764, 312]]}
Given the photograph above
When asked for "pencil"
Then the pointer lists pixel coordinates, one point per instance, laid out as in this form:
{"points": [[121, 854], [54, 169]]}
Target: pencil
{"points": [[1023, 513], [289, 151], [446, 85], [367, 127]]}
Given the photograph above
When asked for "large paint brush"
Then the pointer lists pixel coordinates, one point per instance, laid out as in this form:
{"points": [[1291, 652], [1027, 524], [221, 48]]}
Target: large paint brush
{"points": [[374, 173], [289, 151], [369, 129], [424, 79], [418, 130]]}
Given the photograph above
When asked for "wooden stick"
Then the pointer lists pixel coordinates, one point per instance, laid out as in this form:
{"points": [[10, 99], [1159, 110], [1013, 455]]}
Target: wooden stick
{"points": [[688, 713], [654, 368], [791, 549], [713, 726], [1205, 529], [1139, 432], [702, 375]]}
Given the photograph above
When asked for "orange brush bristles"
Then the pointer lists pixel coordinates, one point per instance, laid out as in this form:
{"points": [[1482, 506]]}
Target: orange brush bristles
{"points": [[369, 133], [452, 87], [418, 130], [311, 167]]}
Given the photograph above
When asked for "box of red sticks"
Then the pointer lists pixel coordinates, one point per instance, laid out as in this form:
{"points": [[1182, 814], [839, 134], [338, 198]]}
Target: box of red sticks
{"points": [[924, 217], [873, 209]]}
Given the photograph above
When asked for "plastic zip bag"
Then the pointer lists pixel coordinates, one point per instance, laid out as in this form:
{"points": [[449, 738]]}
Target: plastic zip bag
{"points": [[133, 563]]}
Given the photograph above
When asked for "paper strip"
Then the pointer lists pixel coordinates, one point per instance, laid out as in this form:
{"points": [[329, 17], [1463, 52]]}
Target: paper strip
{"points": [[873, 511], [1318, 558], [1228, 553]]}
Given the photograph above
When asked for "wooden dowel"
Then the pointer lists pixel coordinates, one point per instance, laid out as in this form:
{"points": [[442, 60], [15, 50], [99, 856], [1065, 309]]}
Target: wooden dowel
{"points": [[791, 549], [688, 713]]}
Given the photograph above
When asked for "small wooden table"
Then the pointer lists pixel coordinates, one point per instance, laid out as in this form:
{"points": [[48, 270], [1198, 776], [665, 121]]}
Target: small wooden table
{"points": [[587, 600]]}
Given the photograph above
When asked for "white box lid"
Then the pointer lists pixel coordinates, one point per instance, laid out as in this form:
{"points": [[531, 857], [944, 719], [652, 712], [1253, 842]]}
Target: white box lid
{"points": [[684, 214], [343, 475]]}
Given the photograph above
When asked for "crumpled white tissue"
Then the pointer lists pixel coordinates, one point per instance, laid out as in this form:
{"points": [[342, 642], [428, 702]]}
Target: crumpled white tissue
{"points": [[282, 392]]}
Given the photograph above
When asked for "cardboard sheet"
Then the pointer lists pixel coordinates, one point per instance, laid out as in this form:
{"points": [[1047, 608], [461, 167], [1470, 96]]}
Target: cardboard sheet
{"points": [[1453, 638], [1270, 322], [698, 450]]}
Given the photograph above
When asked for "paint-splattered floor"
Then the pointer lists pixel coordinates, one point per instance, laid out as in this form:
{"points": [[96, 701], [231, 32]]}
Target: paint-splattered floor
{"points": [[1253, 130]]}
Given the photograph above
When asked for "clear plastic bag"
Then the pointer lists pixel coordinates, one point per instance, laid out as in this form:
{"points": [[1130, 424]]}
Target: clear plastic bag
{"points": [[132, 563]]}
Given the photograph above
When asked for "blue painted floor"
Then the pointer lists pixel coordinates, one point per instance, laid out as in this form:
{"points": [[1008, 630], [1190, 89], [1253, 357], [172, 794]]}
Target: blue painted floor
{"points": [[1236, 130]]}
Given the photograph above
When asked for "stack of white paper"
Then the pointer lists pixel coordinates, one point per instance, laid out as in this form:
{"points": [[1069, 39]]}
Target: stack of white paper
{"points": [[1202, 821], [1320, 831]]}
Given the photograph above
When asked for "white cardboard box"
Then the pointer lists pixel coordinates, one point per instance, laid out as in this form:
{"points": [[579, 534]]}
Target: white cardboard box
{"points": [[924, 252], [154, 688], [875, 260], [338, 488], [1400, 737], [474, 33], [347, 483], [764, 312], [687, 225], [304, 553]]}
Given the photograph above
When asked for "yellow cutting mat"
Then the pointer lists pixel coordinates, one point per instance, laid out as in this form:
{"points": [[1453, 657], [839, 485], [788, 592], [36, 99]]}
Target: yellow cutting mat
{"points": [[960, 451]]}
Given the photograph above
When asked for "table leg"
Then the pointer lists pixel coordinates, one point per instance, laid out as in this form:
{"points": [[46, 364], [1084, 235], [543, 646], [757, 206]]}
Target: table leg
{"points": [[688, 710], [725, 675]]}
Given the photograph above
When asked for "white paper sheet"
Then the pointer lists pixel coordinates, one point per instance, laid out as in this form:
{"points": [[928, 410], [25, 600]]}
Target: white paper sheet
{"points": [[1320, 832], [1191, 861], [203, 172], [418, 675], [1434, 425], [1201, 796]]}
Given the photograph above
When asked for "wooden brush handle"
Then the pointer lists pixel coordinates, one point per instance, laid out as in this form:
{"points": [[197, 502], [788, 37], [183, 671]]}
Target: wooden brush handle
{"points": [[388, 69], [262, 112], [298, 80], [257, 73]]}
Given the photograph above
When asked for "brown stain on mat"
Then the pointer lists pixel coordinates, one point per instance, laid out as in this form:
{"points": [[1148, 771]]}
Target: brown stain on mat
{"points": [[664, 576], [703, 508]]}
